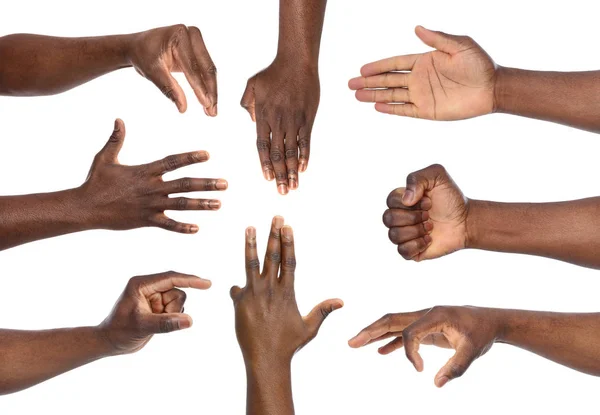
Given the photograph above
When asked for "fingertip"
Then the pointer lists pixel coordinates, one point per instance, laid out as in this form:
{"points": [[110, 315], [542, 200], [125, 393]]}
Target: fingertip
{"points": [[278, 221], [428, 239], [203, 155], [193, 229], [407, 197], [251, 232], [357, 341], [441, 381]]}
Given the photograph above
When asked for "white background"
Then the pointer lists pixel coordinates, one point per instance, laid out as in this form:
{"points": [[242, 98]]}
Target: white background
{"points": [[358, 157]]}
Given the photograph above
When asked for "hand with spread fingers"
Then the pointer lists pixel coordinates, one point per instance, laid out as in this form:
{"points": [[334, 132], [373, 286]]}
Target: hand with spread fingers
{"points": [[471, 332], [150, 304], [44, 65], [114, 196], [454, 82], [427, 218], [269, 326]]}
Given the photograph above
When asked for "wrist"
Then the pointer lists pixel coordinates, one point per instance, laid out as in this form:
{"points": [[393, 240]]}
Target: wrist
{"points": [[268, 366], [504, 89], [100, 339], [293, 60], [473, 223]]}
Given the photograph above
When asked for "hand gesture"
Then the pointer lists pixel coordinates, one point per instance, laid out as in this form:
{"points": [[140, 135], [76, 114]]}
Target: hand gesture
{"points": [[283, 100], [268, 323], [149, 305], [158, 52], [428, 217], [454, 82], [122, 197]]}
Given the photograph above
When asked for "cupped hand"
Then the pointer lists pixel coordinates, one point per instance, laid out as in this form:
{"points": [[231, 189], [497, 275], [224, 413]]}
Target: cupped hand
{"points": [[454, 82], [120, 197], [269, 326], [150, 304], [156, 53], [470, 331], [427, 218], [283, 100]]}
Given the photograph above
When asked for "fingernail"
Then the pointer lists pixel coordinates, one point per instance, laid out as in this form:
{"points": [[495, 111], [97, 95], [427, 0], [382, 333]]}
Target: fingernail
{"points": [[278, 221], [215, 110], [442, 381], [206, 111], [193, 229], [214, 204], [202, 155], [428, 239], [268, 174], [282, 189], [251, 232], [222, 184], [293, 183], [428, 226], [302, 165], [407, 196], [184, 323], [286, 232]]}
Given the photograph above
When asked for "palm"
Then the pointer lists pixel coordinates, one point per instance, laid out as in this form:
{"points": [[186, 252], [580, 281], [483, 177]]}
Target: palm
{"points": [[452, 87]]}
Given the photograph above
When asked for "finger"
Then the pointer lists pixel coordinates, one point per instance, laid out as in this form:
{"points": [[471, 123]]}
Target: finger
{"points": [[395, 200], [273, 255], [188, 184], [390, 323], [317, 316], [288, 258], [456, 366], [173, 301], [263, 144], [208, 69], [111, 150], [163, 221], [277, 156], [403, 110], [417, 183], [409, 250], [252, 261], [162, 78], [404, 234], [248, 99], [190, 66], [395, 344], [402, 217], [441, 41], [387, 80], [414, 334], [235, 292], [177, 161], [291, 157], [396, 63], [166, 323], [304, 136], [383, 95], [184, 203]]}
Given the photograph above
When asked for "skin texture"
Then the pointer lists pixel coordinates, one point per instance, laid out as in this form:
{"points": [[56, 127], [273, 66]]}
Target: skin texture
{"points": [[268, 324], [431, 217], [459, 80], [283, 98], [570, 339], [32, 65], [149, 305], [114, 196]]}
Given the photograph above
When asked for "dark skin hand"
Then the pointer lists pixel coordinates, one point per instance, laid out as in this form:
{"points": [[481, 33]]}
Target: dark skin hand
{"points": [[268, 324], [114, 196], [283, 98], [42, 65], [149, 305], [431, 217], [459, 80], [571, 339]]}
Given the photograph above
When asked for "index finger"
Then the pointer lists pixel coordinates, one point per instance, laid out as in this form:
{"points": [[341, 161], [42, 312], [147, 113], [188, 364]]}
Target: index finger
{"points": [[414, 334], [394, 201], [273, 254], [396, 63], [288, 257], [207, 67], [159, 283], [252, 261], [387, 324], [177, 161], [190, 66]]}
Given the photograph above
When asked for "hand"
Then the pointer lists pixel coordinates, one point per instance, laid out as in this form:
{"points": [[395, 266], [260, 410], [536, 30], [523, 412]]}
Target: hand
{"points": [[268, 324], [454, 82], [428, 218], [122, 197], [158, 52], [283, 100], [149, 305], [470, 331]]}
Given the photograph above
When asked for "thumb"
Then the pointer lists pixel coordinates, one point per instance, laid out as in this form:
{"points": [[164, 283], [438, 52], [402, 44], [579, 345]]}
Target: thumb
{"points": [[317, 316], [249, 99], [441, 41], [166, 323], [111, 150], [456, 366], [417, 183]]}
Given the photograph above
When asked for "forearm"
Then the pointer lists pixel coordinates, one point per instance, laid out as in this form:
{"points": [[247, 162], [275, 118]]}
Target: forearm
{"points": [[269, 388], [569, 98], [570, 339], [30, 357], [43, 65], [28, 218], [565, 231], [300, 28]]}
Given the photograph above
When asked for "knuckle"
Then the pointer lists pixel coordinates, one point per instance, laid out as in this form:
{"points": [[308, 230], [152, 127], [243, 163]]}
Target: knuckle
{"points": [[170, 163], [166, 325], [253, 264], [304, 142], [291, 153], [179, 30], [276, 154], [181, 203], [182, 296], [388, 217], [210, 184], [211, 69], [263, 144], [290, 263], [185, 184], [169, 92], [275, 257]]}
